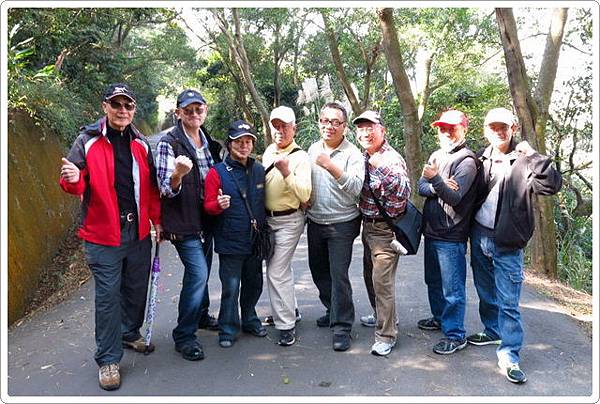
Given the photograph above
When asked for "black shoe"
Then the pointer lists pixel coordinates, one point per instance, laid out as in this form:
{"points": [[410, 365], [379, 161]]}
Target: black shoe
{"points": [[298, 315], [209, 323], [191, 351], [429, 324], [257, 332], [287, 337], [448, 346], [268, 321], [341, 342], [514, 373], [323, 321]]}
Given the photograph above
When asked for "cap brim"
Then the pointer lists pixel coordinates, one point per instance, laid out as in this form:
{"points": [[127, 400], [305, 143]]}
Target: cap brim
{"points": [[237, 136], [362, 119], [116, 95], [189, 101]]}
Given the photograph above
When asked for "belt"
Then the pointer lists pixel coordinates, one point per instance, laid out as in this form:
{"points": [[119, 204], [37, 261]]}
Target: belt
{"points": [[127, 217], [373, 219], [273, 213]]}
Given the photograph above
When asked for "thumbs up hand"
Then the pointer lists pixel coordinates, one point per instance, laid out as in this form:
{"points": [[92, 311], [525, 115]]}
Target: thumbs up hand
{"points": [[223, 200], [430, 170], [69, 171]]}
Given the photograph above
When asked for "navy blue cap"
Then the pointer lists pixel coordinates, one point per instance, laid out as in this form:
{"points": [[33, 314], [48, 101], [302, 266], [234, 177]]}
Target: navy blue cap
{"points": [[240, 128], [116, 89], [188, 97]]}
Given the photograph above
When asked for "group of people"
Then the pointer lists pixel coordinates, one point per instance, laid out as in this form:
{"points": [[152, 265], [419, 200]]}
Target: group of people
{"points": [[198, 193]]}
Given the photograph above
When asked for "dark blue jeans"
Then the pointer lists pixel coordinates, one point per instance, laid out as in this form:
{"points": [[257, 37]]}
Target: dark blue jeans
{"points": [[121, 283], [445, 276], [241, 278], [207, 248], [498, 277], [329, 257], [192, 289]]}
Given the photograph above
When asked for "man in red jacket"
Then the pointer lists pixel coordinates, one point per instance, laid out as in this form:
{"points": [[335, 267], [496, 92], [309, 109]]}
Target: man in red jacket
{"points": [[110, 167]]}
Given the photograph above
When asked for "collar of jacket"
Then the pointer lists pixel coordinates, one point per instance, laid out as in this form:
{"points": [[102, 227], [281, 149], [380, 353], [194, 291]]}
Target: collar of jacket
{"points": [[236, 164], [99, 128], [487, 153]]}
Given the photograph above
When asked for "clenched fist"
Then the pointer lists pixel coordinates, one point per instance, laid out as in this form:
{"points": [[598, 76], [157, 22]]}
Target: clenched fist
{"points": [[183, 165], [283, 165]]}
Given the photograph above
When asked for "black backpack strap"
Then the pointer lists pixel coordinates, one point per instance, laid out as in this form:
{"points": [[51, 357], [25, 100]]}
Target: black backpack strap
{"points": [[273, 165], [243, 195], [382, 211]]}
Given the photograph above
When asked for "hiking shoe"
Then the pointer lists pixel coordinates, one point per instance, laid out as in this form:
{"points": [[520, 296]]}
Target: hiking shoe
{"points": [[514, 373], [323, 321], [381, 348], [287, 337], [429, 324], [481, 338], [191, 351], [368, 321], [109, 376], [209, 323], [448, 346], [341, 342], [268, 321], [257, 332], [139, 345]]}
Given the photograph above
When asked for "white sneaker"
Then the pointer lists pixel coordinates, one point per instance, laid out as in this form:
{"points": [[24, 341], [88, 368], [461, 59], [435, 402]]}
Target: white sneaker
{"points": [[381, 348], [368, 321]]}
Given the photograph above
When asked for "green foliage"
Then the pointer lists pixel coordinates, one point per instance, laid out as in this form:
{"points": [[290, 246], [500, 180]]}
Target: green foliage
{"points": [[575, 244]]}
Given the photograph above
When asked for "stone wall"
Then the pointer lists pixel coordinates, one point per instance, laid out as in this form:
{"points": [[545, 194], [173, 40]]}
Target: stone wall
{"points": [[39, 212]]}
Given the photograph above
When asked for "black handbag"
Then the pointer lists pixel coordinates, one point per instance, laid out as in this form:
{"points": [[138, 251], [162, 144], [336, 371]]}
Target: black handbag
{"points": [[262, 238], [407, 227]]}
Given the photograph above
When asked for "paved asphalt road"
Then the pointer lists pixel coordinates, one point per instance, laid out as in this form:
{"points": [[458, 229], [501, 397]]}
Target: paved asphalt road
{"points": [[51, 354]]}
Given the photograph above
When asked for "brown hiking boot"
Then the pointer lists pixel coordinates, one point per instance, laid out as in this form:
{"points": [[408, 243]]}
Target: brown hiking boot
{"points": [[109, 376], [139, 345]]}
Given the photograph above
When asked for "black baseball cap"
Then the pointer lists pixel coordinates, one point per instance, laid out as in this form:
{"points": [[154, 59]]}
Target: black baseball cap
{"points": [[240, 128], [188, 97], [116, 89]]}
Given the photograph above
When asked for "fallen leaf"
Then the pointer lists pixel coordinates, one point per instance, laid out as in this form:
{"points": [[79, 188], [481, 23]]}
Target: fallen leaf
{"points": [[286, 380]]}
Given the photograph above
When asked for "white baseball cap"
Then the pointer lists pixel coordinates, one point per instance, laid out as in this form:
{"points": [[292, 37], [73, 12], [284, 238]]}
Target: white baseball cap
{"points": [[502, 115], [283, 113]]}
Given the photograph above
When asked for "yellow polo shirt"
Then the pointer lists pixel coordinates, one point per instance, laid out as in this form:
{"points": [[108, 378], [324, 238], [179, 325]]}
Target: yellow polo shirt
{"points": [[287, 193]]}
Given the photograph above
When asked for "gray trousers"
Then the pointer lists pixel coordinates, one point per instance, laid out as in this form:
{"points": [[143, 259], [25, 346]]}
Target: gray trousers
{"points": [[121, 283]]}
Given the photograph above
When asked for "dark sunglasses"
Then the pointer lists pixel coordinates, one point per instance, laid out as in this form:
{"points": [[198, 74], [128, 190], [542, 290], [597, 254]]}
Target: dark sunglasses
{"points": [[129, 106], [197, 111]]}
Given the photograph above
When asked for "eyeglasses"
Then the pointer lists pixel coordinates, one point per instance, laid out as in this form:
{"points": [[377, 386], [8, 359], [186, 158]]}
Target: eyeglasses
{"points": [[129, 106], [333, 122], [195, 110], [366, 130]]}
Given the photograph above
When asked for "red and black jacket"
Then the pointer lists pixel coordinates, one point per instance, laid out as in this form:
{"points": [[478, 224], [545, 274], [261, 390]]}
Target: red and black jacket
{"points": [[92, 153]]}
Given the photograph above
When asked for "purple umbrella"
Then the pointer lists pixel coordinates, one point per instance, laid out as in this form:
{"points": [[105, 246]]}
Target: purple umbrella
{"points": [[151, 309]]}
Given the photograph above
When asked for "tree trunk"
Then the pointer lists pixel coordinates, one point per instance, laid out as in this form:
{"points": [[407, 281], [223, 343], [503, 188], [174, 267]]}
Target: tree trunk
{"points": [[426, 86], [412, 129], [533, 117], [236, 46], [339, 67]]}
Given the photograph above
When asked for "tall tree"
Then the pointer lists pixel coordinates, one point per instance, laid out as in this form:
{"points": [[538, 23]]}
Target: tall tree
{"points": [[532, 111], [412, 127], [236, 46]]}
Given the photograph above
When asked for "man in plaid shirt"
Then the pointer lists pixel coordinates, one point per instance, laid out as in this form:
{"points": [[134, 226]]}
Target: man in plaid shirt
{"points": [[387, 180]]}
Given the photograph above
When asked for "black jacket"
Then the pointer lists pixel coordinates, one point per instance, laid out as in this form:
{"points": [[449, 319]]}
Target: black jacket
{"points": [[529, 176], [447, 213], [183, 215]]}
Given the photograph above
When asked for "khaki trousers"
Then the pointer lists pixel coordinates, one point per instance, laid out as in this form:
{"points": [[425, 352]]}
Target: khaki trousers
{"points": [[381, 262], [280, 276]]}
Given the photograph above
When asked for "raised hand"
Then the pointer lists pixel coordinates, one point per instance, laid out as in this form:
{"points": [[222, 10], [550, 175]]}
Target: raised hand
{"points": [[223, 200], [69, 171], [525, 148], [430, 170], [323, 160], [282, 164], [183, 165]]}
